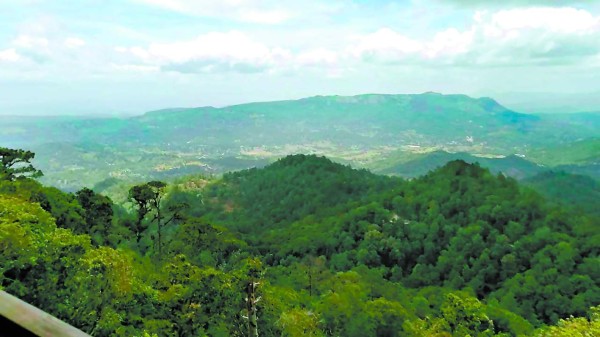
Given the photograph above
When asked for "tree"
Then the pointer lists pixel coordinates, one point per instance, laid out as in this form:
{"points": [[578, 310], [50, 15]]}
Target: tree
{"points": [[16, 164], [141, 196], [157, 188], [574, 326], [64, 207], [147, 198], [98, 214]]}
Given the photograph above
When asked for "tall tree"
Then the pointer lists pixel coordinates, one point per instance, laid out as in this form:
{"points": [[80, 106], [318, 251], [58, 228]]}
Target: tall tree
{"points": [[15, 163], [141, 197], [158, 189], [148, 198]]}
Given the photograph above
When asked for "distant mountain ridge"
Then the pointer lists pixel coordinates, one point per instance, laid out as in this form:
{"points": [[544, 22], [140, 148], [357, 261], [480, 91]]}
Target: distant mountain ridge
{"points": [[353, 129], [512, 165], [428, 118]]}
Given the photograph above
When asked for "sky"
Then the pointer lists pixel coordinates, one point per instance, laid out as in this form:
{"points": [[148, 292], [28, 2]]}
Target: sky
{"points": [[90, 57]]}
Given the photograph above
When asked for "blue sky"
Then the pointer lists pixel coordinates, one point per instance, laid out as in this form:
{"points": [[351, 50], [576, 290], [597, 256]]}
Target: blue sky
{"points": [[131, 56]]}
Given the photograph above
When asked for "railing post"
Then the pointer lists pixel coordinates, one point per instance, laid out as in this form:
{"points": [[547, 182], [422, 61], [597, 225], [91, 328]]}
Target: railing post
{"points": [[32, 319]]}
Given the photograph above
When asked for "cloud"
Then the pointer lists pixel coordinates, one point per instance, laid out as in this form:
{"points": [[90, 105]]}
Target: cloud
{"points": [[30, 42], [9, 55], [449, 42], [73, 42], [389, 46], [516, 37], [267, 12], [264, 16], [556, 20], [318, 57], [134, 68], [519, 3], [212, 52], [537, 35], [385, 45], [233, 51], [241, 10], [32, 48]]}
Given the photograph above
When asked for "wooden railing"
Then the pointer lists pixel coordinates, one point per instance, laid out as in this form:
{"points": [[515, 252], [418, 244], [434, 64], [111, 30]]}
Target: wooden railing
{"points": [[18, 318]]}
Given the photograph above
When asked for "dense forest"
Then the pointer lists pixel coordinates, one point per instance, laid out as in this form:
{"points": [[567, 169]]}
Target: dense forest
{"points": [[328, 251]]}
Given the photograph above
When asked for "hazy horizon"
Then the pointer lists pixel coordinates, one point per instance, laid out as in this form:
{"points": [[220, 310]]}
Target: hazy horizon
{"points": [[126, 58], [528, 103]]}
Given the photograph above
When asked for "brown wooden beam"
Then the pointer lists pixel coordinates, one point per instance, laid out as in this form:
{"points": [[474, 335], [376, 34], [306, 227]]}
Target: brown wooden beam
{"points": [[35, 320]]}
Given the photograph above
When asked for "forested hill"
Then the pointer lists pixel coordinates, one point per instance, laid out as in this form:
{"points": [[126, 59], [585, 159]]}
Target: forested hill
{"points": [[337, 252], [293, 188]]}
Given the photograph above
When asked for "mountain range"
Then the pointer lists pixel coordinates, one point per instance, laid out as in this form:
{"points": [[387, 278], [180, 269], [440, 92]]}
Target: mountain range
{"points": [[369, 131]]}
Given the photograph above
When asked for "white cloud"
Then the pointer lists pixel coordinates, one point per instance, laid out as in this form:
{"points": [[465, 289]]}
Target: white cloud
{"points": [[30, 42], [267, 12], [317, 57], [265, 17], [557, 20], [73, 42], [232, 45], [140, 53], [231, 51], [528, 36], [389, 46], [385, 45], [253, 11], [536, 35], [212, 52], [449, 42], [9, 55], [135, 68]]}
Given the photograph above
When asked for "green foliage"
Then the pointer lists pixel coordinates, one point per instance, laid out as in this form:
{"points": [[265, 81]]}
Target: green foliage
{"points": [[98, 215], [335, 252], [142, 197], [292, 188], [457, 227], [572, 190], [574, 326], [16, 164], [106, 291]]}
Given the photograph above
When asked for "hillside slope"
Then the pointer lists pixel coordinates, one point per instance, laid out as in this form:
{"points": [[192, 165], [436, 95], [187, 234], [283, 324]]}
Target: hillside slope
{"points": [[294, 187], [457, 226], [581, 192]]}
